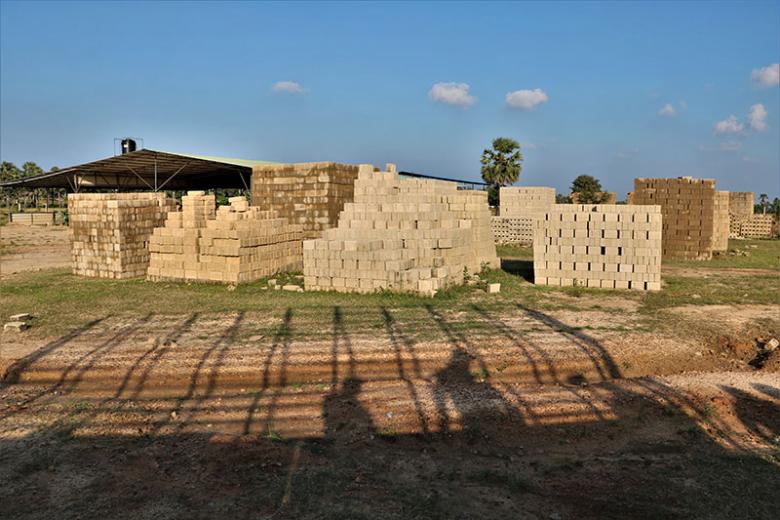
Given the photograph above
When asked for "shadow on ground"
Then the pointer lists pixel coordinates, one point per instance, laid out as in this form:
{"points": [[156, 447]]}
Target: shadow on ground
{"points": [[419, 439]]}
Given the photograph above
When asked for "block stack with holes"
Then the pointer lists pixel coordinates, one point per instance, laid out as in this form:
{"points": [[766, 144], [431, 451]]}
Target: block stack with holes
{"points": [[308, 194], [233, 244], [409, 235], [757, 226], [743, 223], [109, 232], [606, 246], [692, 226], [519, 208]]}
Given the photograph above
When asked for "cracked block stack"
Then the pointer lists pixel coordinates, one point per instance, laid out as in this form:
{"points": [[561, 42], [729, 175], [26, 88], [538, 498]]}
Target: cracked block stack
{"points": [[607, 246], [688, 205], [309, 194], [234, 244], [403, 235], [519, 208], [109, 232]]}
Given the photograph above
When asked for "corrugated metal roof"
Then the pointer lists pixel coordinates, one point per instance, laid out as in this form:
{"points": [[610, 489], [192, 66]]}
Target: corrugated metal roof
{"points": [[225, 160]]}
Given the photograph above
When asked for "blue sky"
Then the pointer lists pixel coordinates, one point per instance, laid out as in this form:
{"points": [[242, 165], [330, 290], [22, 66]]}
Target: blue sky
{"points": [[591, 84]]}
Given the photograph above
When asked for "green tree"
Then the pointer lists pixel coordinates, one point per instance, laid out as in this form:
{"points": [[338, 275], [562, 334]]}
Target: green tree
{"points": [[9, 172], [588, 190], [763, 200], [30, 169], [501, 165], [562, 199]]}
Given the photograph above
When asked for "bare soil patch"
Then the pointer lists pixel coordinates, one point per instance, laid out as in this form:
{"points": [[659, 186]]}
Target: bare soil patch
{"points": [[32, 248], [242, 415]]}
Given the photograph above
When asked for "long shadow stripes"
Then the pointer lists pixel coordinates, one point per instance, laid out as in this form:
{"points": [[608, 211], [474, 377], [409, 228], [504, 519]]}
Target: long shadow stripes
{"points": [[591, 347], [397, 339], [14, 372], [223, 342], [281, 340], [156, 351]]}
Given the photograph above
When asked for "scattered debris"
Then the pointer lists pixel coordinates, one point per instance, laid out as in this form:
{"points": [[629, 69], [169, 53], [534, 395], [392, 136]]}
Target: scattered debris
{"points": [[771, 345], [493, 288], [272, 282], [293, 288], [20, 317], [16, 326]]}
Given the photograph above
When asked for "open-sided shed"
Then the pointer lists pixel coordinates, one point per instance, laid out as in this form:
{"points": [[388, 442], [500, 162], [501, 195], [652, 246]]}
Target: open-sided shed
{"points": [[148, 170]]}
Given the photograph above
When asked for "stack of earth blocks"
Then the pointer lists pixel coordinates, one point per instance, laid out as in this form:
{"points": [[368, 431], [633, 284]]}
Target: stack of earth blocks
{"points": [[234, 244], [692, 228], [109, 232], [407, 235], [720, 230], [743, 222], [605, 245], [519, 208], [308, 194], [757, 226]]}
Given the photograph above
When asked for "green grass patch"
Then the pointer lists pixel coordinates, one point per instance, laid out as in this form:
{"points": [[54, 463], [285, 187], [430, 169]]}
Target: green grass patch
{"points": [[713, 290], [515, 251], [741, 254], [61, 302]]}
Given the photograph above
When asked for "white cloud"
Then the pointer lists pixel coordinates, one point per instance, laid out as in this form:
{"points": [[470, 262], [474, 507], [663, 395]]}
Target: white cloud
{"points": [[526, 99], [667, 111], [456, 94], [757, 117], [729, 126], [768, 76], [291, 87]]}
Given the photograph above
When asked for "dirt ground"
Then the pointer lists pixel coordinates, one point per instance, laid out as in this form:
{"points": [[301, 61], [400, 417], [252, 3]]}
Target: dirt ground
{"points": [[553, 416], [593, 409], [31, 248]]}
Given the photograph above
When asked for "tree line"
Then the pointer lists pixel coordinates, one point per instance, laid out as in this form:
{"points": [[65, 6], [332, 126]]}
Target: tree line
{"points": [[502, 164], [29, 197]]}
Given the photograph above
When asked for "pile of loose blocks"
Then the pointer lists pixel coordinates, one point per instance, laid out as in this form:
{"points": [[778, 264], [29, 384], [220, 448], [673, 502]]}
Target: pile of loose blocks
{"points": [[308, 194], [406, 235], [234, 244], [693, 220], [605, 245], [519, 208], [109, 232]]}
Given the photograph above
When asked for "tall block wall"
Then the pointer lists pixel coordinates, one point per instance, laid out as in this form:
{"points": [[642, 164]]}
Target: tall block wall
{"points": [[525, 201], [410, 235], [518, 209], [232, 244], [741, 203], [689, 214], [606, 246], [308, 194], [109, 232], [721, 224]]}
